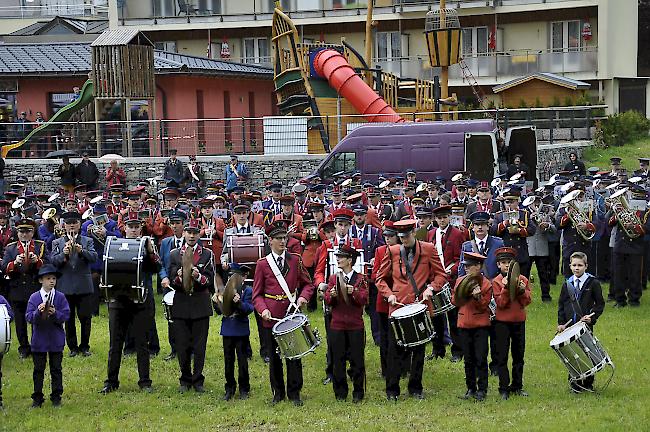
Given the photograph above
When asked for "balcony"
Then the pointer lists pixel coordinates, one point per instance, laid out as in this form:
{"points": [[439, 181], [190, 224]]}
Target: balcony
{"points": [[499, 66], [51, 8]]}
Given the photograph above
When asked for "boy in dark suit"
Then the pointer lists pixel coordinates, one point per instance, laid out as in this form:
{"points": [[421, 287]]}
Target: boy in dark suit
{"points": [[47, 310], [4, 302], [581, 299], [236, 331]]}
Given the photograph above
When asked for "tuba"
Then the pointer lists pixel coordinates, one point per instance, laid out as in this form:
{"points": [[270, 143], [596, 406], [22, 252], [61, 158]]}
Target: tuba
{"points": [[626, 217], [576, 215]]}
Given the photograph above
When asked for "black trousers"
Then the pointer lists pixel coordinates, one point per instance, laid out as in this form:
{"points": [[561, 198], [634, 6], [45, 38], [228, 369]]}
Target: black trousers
{"points": [[399, 358], [171, 333], [19, 308], [612, 272], [604, 258], [96, 293], [511, 336], [348, 345], [554, 260], [56, 373], [646, 265], [543, 271], [627, 277], [236, 345], [371, 310], [191, 338], [456, 342], [265, 348], [119, 321], [81, 306], [276, 373], [383, 342], [438, 340], [525, 268], [328, 355], [312, 305], [475, 344], [492, 332], [151, 334]]}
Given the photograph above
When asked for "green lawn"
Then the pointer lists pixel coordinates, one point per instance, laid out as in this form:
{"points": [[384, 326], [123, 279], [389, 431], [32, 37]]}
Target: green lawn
{"points": [[623, 406], [599, 156]]}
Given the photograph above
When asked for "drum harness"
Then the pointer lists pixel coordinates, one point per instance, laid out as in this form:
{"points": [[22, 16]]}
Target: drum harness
{"points": [[409, 273], [282, 281]]}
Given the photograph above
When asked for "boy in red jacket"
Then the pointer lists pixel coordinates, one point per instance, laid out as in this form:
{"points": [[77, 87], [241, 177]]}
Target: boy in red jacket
{"points": [[474, 326], [510, 325], [347, 334]]}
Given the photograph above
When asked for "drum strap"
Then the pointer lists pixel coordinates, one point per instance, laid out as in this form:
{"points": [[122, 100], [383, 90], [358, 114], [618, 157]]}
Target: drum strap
{"points": [[577, 310], [281, 280], [409, 274]]}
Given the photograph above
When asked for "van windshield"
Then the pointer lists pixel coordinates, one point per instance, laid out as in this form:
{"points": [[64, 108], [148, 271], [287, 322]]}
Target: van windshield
{"points": [[340, 163]]}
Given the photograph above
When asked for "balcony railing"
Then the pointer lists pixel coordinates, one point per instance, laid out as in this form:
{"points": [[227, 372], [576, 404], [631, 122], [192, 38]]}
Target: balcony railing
{"points": [[503, 64], [52, 8]]}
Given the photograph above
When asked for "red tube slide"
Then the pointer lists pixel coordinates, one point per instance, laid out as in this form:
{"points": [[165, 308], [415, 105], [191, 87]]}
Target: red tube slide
{"points": [[331, 65]]}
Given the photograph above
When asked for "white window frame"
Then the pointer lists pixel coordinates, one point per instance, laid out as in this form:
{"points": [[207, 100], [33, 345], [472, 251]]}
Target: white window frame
{"points": [[389, 45], [257, 58], [474, 35], [565, 36]]}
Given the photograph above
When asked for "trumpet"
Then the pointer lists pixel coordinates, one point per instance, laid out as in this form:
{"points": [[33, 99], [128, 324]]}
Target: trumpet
{"points": [[312, 232], [626, 217], [578, 217]]}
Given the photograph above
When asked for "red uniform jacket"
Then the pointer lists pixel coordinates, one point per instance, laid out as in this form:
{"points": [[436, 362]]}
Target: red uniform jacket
{"points": [[310, 250], [267, 292], [426, 270], [510, 311], [296, 221], [474, 313], [321, 264], [452, 243], [348, 316], [219, 226], [381, 305], [254, 219]]}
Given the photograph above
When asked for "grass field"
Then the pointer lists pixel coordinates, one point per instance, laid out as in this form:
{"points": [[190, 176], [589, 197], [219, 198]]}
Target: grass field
{"points": [[599, 156], [623, 406]]}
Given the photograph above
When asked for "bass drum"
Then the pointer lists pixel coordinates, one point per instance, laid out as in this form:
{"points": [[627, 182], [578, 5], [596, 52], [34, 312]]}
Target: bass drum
{"points": [[123, 275], [5, 330]]}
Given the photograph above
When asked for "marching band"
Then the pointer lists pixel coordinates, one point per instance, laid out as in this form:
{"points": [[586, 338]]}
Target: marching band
{"points": [[437, 261]]}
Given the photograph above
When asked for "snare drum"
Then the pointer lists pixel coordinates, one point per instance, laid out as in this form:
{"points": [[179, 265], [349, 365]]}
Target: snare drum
{"points": [[442, 300], [295, 337], [580, 351], [412, 325], [5, 330], [246, 248], [168, 302], [123, 275]]}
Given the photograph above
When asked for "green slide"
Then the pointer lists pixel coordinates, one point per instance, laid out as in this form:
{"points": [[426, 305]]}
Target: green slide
{"points": [[85, 97]]}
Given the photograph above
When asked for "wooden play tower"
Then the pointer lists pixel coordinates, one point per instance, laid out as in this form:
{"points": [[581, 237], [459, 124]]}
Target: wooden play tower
{"points": [[123, 70]]}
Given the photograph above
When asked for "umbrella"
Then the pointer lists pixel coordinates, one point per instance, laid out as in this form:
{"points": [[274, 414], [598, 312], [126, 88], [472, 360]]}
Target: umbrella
{"points": [[111, 156], [61, 153]]}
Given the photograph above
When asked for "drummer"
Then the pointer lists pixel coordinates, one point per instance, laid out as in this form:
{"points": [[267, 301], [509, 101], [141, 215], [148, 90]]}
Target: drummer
{"points": [[124, 313], [581, 300], [394, 281], [510, 324], [347, 334], [273, 297]]}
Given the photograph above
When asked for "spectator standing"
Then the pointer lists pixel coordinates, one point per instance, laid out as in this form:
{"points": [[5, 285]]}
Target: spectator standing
{"points": [[575, 164], [67, 173], [235, 171], [86, 172], [174, 171], [115, 174]]}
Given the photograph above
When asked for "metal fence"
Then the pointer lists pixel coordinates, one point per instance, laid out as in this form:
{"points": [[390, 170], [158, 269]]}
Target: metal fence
{"points": [[264, 135]]}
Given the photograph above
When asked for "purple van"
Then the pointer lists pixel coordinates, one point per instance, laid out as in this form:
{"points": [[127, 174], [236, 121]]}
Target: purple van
{"points": [[430, 148]]}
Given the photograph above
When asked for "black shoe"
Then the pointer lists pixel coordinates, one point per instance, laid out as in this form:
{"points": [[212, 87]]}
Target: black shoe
{"points": [[620, 305], [183, 388], [37, 404], [504, 395], [519, 393], [340, 398], [56, 403], [170, 356], [611, 299], [243, 395], [107, 389], [297, 402], [480, 396], [276, 400], [635, 304], [129, 352], [547, 299], [146, 389], [455, 358], [73, 353], [494, 373], [327, 380], [356, 399], [418, 396], [469, 394], [267, 360], [153, 354], [228, 395], [391, 398], [199, 388], [86, 353]]}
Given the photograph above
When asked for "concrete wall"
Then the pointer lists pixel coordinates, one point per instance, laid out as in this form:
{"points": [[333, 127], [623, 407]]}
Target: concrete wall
{"points": [[286, 169]]}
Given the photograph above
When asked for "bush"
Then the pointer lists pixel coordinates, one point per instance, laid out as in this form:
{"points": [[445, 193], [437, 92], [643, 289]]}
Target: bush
{"points": [[620, 129], [538, 103], [555, 102]]}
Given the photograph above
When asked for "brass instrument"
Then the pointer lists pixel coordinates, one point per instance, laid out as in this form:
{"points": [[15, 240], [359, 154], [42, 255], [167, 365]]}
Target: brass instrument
{"points": [[513, 218], [97, 230], [311, 231], [626, 217], [577, 216], [187, 261]]}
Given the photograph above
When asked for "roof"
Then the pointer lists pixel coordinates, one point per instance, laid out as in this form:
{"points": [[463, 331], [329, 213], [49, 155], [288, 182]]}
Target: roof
{"points": [[544, 76], [75, 25], [121, 36], [65, 59]]}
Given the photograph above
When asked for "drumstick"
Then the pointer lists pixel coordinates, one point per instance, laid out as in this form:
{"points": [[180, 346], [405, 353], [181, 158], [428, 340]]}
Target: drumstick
{"points": [[566, 324], [275, 319], [398, 303]]}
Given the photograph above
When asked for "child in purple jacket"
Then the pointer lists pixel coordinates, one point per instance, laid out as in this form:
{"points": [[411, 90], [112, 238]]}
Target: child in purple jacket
{"points": [[4, 302], [47, 310]]}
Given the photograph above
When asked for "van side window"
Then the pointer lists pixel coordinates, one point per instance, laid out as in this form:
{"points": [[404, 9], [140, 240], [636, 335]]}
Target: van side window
{"points": [[341, 162]]}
